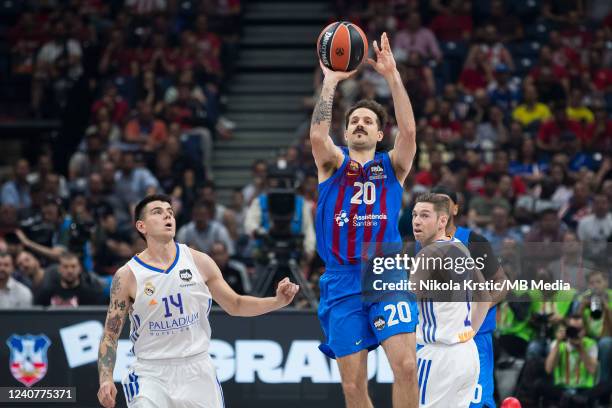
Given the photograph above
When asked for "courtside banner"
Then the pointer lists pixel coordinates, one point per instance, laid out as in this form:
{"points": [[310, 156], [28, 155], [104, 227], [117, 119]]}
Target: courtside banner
{"points": [[267, 361]]}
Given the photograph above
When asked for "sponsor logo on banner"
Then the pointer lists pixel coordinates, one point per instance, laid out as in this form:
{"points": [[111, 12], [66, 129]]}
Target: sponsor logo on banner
{"points": [[28, 360]]}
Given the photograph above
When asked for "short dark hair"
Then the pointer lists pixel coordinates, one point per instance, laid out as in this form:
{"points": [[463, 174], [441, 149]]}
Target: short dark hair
{"points": [[377, 108], [139, 210], [67, 256], [441, 203]]}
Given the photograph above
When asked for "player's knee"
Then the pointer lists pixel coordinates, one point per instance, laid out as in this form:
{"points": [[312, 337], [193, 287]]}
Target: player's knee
{"points": [[404, 369], [355, 388]]}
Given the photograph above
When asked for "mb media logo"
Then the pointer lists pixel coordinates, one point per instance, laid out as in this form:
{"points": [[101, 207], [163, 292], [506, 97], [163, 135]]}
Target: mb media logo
{"points": [[341, 218], [185, 274]]}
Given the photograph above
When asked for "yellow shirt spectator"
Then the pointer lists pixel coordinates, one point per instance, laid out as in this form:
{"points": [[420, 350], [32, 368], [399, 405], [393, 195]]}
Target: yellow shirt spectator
{"points": [[580, 114], [526, 115]]}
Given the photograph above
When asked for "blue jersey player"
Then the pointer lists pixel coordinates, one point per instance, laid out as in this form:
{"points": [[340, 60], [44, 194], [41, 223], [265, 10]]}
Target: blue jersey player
{"points": [[479, 247], [360, 196]]}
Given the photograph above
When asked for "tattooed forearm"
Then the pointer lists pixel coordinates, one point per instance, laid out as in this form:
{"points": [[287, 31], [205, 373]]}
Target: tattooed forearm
{"points": [[323, 108], [106, 358]]}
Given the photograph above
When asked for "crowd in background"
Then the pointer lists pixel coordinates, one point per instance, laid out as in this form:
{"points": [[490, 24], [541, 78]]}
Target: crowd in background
{"points": [[513, 103]]}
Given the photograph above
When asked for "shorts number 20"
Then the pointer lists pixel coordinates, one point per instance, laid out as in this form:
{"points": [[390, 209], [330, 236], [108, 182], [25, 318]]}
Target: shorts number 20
{"points": [[402, 310]]}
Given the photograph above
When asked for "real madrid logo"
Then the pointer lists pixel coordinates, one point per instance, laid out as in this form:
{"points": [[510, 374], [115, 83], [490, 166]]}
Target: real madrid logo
{"points": [[149, 289]]}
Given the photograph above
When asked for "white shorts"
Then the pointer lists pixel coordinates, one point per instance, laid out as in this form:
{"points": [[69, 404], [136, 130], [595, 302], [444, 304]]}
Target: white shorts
{"points": [[173, 383], [447, 375]]}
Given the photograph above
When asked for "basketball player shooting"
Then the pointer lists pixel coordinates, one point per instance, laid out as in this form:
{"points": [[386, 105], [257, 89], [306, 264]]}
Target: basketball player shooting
{"points": [[447, 358], [360, 196], [167, 292]]}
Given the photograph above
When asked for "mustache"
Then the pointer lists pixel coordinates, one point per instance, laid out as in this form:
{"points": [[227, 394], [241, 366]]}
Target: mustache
{"points": [[360, 129]]}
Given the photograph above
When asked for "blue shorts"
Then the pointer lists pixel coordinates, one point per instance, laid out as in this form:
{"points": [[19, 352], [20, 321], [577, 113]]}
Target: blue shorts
{"points": [[351, 325], [486, 383]]}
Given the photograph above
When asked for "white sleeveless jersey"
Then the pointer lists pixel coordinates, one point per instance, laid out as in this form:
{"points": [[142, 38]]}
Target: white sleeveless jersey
{"points": [[169, 317], [445, 322]]}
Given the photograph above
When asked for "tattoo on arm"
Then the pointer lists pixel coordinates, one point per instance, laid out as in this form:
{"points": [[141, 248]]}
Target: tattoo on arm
{"points": [[323, 109], [115, 317]]}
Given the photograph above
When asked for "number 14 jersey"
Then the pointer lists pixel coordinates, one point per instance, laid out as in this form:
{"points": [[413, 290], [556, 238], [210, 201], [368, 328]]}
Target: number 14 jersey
{"points": [[169, 317]]}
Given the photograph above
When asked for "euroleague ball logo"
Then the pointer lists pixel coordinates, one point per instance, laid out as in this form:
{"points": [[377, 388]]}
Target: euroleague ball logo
{"points": [[339, 52]]}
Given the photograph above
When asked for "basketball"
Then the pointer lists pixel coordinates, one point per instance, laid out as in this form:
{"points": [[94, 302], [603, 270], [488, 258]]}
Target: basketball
{"points": [[510, 402], [342, 46]]}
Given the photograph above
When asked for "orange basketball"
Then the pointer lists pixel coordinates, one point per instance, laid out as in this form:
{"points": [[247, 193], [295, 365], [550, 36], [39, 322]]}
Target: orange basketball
{"points": [[342, 46]]}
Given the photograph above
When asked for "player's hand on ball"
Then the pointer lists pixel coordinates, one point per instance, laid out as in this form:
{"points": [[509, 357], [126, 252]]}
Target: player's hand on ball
{"points": [[107, 394], [286, 291], [385, 62], [336, 76]]}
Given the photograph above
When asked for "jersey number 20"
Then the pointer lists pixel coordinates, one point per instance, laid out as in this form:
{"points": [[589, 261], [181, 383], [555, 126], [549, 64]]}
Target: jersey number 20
{"points": [[367, 190]]}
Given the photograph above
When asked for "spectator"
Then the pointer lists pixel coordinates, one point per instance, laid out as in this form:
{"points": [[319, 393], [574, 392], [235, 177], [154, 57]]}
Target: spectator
{"points": [[113, 103], [550, 132], [579, 205], [500, 230], [509, 26], [481, 207], [16, 192], [576, 110], [416, 38], [503, 91], [234, 272], [112, 245], [145, 131], [33, 274], [548, 228], [454, 23], [531, 111], [493, 132], [526, 166], [562, 184], [259, 171], [597, 136], [477, 71], [595, 230], [13, 294], [494, 49], [72, 287], [58, 65], [134, 181], [48, 234], [203, 230]]}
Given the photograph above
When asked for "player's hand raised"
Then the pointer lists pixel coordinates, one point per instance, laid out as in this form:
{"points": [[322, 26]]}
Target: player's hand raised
{"points": [[286, 291], [336, 76], [385, 62], [107, 394]]}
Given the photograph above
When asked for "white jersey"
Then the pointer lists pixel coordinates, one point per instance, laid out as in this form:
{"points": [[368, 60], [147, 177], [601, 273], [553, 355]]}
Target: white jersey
{"points": [[169, 317], [445, 322]]}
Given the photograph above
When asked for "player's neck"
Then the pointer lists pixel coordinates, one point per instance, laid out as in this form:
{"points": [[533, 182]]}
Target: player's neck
{"points": [[362, 156], [451, 229], [160, 253], [440, 236]]}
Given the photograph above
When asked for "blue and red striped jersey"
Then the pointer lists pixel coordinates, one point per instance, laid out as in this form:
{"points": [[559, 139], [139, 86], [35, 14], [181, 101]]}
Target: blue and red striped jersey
{"points": [[357, 204]]}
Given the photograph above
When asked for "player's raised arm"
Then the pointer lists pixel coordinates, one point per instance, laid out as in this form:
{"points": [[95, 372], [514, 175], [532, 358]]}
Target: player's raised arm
{"points": [[230, 301], [328, 157], [404, 148], [118, 307]]}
